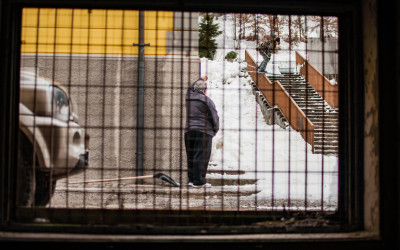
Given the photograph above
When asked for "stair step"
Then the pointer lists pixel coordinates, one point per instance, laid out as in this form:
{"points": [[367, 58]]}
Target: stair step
{"points": [[301, 98], [224, 177], [326, 139], [315, 106], [321, 120], [320, 117], [312, 107], [216, 192], [225, 171], [319, 137], [327, 152], [332, 143], [326, 125], [306, 98], [326, 129], [314, 120], [309, 101], [229, 181], [325, 134], [326, 148], [309, 109], [295, 84], [290, 77], [277, 77], [324, 122], [324, 113], [300, 90], [323, 126]]}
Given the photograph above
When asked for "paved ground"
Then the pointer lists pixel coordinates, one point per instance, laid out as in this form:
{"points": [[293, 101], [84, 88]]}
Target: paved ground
{"points": [[148, 196], [160, 195]]}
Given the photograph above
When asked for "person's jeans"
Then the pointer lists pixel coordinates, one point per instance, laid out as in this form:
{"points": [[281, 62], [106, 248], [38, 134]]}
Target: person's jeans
{"points": [[264, 63], [198, 152]]}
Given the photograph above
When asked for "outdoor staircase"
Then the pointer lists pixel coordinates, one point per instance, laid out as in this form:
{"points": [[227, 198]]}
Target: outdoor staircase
{"points": [[324, 117]]}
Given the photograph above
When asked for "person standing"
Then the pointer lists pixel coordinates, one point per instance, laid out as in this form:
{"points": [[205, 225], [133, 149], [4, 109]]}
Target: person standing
{"points": [[266, 49], [202, 124]]}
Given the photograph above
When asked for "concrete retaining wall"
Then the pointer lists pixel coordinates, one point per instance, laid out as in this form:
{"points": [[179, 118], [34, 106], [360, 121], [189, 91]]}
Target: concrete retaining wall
{"points": [[330, 56]]}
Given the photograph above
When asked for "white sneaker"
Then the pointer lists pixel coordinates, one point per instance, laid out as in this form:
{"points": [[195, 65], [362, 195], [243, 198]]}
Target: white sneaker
{"points": [[206, 185]]}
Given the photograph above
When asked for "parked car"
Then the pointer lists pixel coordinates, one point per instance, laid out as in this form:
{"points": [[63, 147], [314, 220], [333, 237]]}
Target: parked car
{"points": [[52, 144]]}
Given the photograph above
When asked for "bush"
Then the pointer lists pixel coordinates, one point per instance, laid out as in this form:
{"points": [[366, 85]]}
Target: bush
{"points": [[232, 55], [207, 31]]}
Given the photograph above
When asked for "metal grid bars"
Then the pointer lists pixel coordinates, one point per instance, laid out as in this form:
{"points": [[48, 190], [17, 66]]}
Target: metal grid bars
{"points": [[103, 96]]}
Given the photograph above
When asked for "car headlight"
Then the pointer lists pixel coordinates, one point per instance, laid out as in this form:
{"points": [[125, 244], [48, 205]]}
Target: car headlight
{"points": [[60, 104]]}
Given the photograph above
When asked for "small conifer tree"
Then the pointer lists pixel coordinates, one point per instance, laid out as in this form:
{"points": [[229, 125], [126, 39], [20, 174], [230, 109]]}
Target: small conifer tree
{"points": [[207, 31]]}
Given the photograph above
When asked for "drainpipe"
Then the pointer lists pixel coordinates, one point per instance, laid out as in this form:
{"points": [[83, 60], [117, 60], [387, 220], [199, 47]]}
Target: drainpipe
{"points": [[140, 99]]}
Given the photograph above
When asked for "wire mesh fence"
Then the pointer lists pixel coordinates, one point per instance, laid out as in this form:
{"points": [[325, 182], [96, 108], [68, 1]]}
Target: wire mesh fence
{"points": [[107, 100]]}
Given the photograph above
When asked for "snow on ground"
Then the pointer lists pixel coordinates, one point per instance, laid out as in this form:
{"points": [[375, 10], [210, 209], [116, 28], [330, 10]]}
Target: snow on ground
{"points": [[246, 142]]}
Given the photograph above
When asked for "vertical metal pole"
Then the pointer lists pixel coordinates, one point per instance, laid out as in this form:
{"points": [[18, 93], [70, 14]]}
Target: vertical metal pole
{"points": [[140, 95], [140, 98]]}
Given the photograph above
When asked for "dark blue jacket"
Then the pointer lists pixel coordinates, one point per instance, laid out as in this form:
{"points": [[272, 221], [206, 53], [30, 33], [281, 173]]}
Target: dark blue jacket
{"points": [[201, 114]]}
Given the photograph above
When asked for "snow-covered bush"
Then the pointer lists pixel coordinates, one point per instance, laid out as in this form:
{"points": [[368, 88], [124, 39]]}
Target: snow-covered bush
{"points": [[231, 56]]}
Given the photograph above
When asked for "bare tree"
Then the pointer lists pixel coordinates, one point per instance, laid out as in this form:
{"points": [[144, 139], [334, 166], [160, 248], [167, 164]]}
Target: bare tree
{"points": [[299, 22], [234, 17], [297, 30], [242, 21], [330, 26]]}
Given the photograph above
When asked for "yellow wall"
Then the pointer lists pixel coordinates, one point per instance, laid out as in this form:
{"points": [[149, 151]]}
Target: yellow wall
{"points": [[80, 31]]}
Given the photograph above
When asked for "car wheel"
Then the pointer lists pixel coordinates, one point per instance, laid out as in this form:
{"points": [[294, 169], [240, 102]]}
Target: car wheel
{"points": [[26, 178], [44, 189]]}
